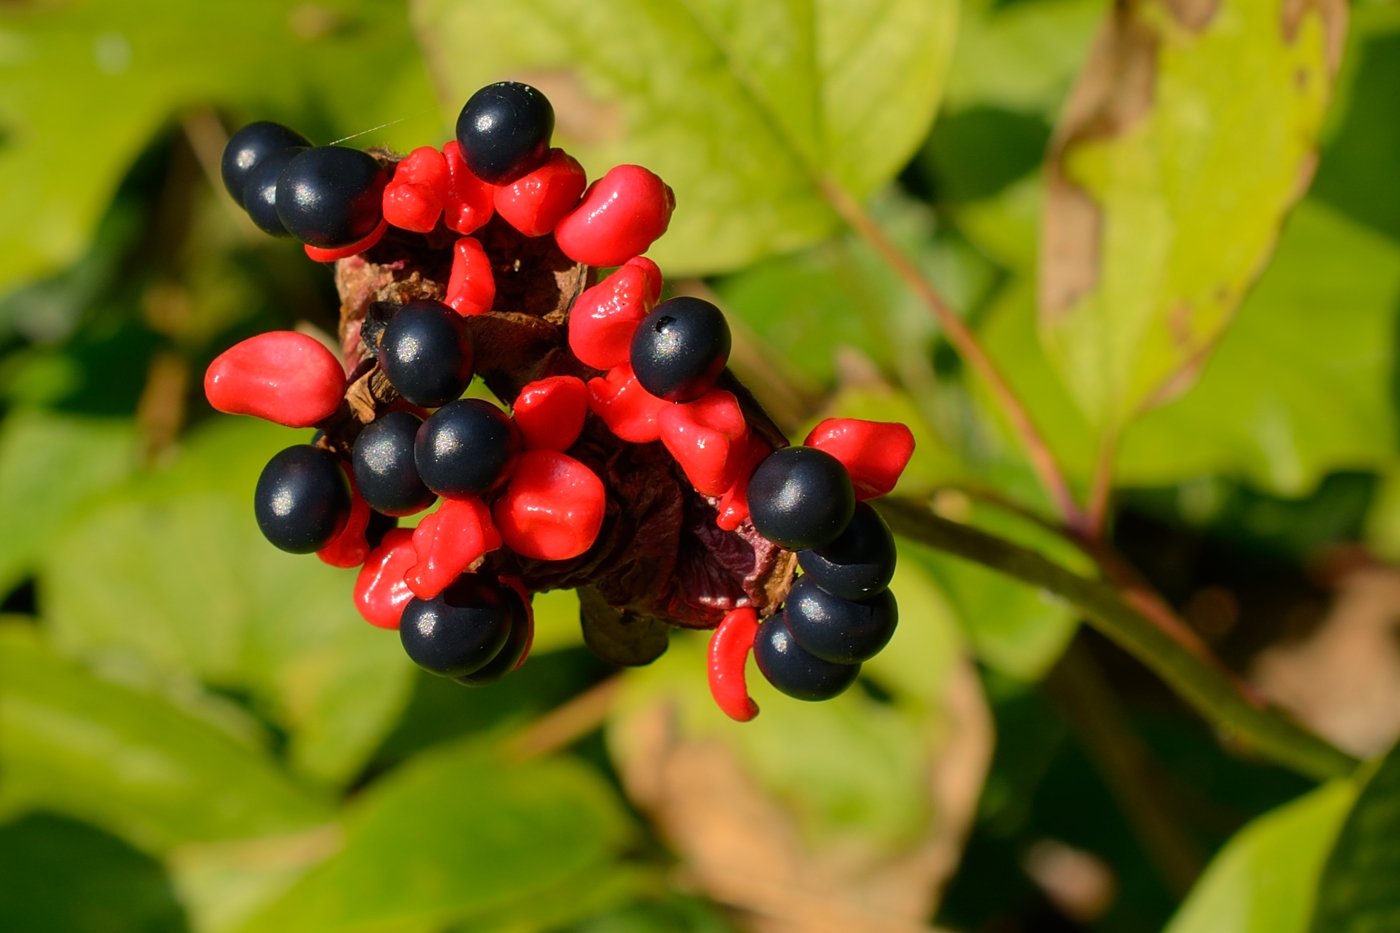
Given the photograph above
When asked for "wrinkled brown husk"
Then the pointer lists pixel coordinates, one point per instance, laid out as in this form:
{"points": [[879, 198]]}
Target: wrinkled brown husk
{"points": [[659, 555]]}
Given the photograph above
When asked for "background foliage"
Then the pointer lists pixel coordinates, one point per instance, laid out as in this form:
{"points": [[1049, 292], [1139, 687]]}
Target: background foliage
{"points": [[1173, 226]]}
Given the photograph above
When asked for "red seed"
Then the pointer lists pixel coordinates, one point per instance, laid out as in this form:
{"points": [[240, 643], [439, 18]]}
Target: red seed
{"points": [[350, 549], [628, 410], [471, 288], [621, 215], [533, 204], [414, 197], [345, 252], [282, 376], [549, 412], [729, 651], [706, 437], [380, 590], [468, 203], [449, 541], [605, 316], [873, 452], [734, 504], [553, 507]]}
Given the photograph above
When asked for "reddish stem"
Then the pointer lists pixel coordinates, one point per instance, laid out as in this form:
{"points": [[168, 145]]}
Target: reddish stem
{"points": [[963, 340]]}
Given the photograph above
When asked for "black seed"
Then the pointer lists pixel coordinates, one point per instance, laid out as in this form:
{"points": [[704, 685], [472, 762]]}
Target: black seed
{"points": [[838, 630], [426, 353], [331, 196], [859, 563], [509, 656], [680, 348], [460, 630], [794, 671], [504, 130], [260, 194], [385, 472], [466, 448], [801, 498], [249, 146], [302, 500]]}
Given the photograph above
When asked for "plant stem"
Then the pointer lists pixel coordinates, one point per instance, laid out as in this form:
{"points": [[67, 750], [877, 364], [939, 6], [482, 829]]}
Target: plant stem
{"points": [[1203, 686], [965, 342], [1101, 486]]}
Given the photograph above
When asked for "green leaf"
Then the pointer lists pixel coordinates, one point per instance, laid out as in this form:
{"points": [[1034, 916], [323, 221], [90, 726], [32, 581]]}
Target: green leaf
{"points": [[87, 84], [1185, 146], [456, 835], [50, 466], [172, 578], [1358, 892], [1263, 880], [59, 876], [129, 761], [1299, 385], [744, 108]]}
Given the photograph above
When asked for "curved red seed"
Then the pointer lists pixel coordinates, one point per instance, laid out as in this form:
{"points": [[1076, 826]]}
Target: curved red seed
{"points": [[734, 504], [621, 215], [604, 317], [875, 453], [414, 197], [380, 590], [282, 376], [449, 541], [471, 287], [518, 585], [706, 437], [345, 252], [549, 412], [533, 204], [553, 507], [350, 549], [729, 651], [629, 411], [468, 204]]}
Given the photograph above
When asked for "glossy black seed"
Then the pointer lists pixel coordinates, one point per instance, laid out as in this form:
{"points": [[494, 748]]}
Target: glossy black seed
{"points": [[249, 146], [842, 631], [460, 630], [379, 526], [859, 563], [466, 448], [426, 353], [385, 472], [680, 348], [260, 194], [302, 500], [794, 671], [331, 196], [509, 656], [801, 498], [504, 130]]}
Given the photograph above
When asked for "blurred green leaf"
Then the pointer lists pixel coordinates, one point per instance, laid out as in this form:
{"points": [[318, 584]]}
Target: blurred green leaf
{"points": [[87, 84], [1301, 383], [59, 876], [1359, 891], [1264, 879], [1179, 135], [1020, 56], [674, 915], [129, 761], [742, 107], [454, 835], [171, 577], [51, 465]]}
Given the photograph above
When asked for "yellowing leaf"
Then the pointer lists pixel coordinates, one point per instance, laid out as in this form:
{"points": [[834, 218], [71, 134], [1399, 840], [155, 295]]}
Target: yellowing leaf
{"points": [[1187, 138]]}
